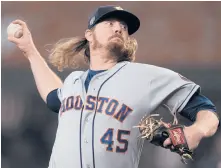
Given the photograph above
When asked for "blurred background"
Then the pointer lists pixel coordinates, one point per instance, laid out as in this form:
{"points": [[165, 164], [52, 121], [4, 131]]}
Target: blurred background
{"points": [[182, 36]]}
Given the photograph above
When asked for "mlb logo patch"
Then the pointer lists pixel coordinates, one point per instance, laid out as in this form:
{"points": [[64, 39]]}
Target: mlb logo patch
{"points": [[92, 20], [118, 8]]}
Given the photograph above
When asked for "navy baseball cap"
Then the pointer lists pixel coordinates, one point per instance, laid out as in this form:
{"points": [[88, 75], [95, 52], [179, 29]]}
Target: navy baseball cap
{"points": [[105, 12]]}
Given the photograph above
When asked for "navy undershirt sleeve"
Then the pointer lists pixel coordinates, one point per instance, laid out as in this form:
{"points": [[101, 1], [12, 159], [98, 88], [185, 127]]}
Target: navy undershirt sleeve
{"points": [[196, 103], [53, 101]]}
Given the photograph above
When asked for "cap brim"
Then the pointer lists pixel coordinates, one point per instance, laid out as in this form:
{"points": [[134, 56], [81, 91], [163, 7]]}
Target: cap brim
{"points": [[130, 19]]}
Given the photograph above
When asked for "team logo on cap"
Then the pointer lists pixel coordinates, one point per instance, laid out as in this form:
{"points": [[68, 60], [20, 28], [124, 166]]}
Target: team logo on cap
{"points": [[92, 20], [118, 8]]}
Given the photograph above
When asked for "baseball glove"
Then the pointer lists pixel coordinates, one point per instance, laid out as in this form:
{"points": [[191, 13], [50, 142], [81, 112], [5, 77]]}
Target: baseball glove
{"points": [[156, 132]]}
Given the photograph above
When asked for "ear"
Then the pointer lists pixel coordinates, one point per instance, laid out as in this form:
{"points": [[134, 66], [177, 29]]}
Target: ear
{"points": [[88, 35]]}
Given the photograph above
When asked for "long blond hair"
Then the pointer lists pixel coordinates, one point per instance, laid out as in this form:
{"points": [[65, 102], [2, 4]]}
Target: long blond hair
{"points": [[64, 53]]}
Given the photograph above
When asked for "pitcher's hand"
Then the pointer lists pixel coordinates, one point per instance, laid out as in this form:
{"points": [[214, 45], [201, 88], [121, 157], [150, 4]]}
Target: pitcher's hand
{"points": [[25, 43]]}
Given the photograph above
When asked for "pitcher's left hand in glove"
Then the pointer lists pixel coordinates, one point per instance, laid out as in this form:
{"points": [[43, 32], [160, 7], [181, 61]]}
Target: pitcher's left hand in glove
{"points": [[156, 131]]}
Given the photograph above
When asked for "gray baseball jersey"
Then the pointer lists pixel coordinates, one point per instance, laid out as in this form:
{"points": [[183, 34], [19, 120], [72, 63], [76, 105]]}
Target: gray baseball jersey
{"points": [[95, 129]]}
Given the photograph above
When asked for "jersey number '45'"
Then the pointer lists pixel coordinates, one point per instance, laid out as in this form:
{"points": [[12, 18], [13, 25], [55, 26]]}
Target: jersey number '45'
{"points": [[107, 139]]}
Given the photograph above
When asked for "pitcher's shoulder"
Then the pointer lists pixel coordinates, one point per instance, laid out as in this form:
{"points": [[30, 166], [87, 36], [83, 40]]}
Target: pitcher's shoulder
{"points": [[72, 76], [149, 68]]}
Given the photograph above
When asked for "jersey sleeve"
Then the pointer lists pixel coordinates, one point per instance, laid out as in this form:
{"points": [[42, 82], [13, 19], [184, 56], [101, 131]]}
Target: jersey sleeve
{"points": [[55, 97], [171, 89], [68, 83]]}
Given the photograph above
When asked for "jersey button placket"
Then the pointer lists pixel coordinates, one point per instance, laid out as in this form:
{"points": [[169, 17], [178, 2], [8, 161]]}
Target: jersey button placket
{"points": [[87, 140], [94, 88], [88, 123]]}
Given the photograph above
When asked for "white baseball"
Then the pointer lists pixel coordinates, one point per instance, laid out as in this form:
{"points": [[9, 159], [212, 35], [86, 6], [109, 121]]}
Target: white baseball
{"points": [[15, 30]]}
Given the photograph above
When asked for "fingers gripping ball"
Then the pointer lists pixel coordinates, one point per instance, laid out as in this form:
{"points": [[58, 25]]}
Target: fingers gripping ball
{"points": [[156, 132], [15, 30]]}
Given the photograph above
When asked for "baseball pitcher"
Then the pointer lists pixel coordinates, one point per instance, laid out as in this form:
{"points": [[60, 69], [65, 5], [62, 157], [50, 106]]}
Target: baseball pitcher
{"points": [[106, 113]]}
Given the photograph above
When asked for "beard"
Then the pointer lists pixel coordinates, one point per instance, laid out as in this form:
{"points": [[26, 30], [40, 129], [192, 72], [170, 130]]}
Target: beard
{"points": [[117, 48]]}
